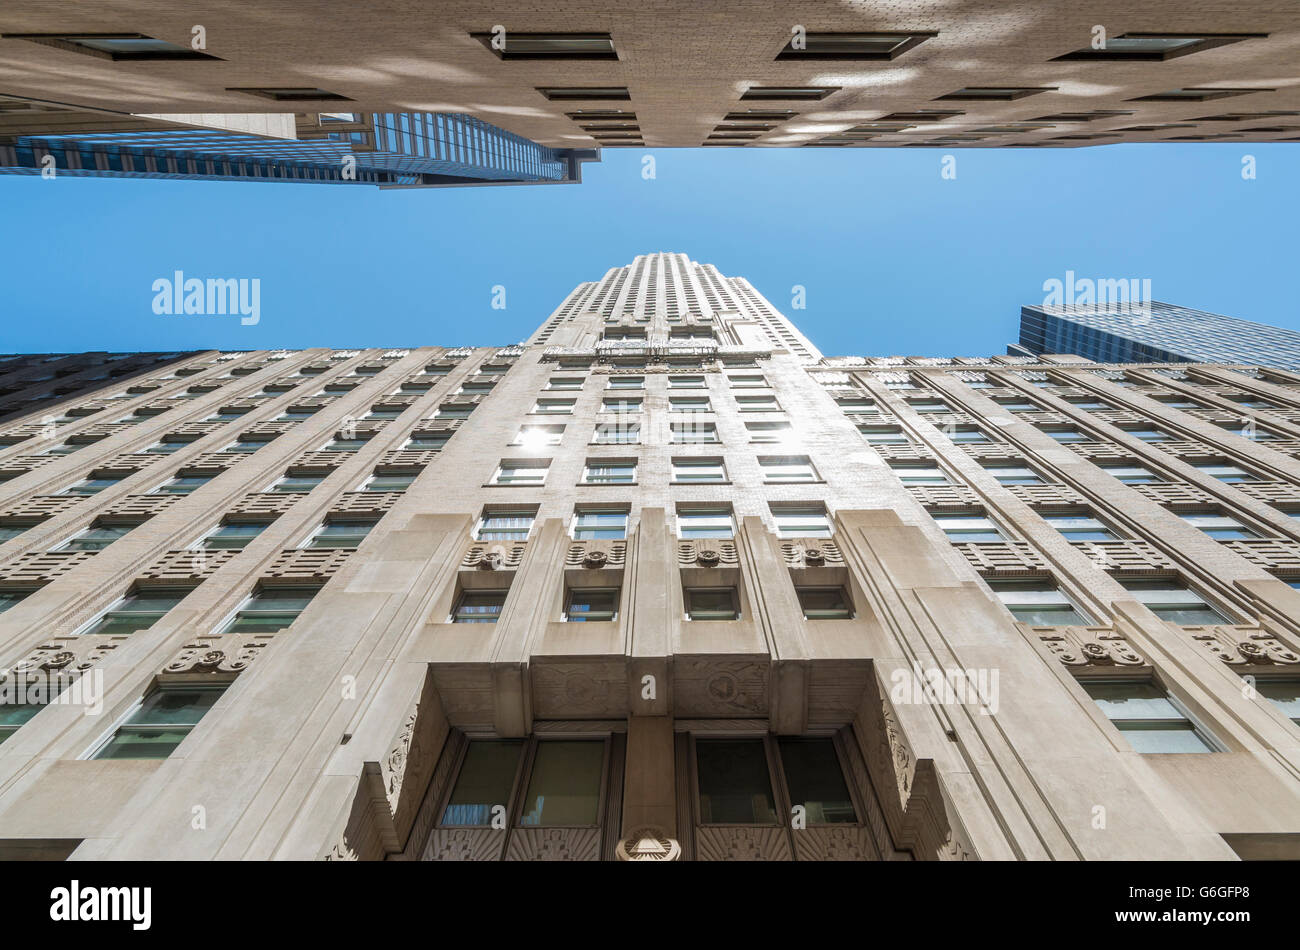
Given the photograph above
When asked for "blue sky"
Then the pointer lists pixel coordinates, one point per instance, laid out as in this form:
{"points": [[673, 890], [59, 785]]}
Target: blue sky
{"points": [[896, 260]]}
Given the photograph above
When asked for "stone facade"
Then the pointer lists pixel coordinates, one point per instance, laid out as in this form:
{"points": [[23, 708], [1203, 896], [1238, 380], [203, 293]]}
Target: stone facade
{"points": [[343, 733]]}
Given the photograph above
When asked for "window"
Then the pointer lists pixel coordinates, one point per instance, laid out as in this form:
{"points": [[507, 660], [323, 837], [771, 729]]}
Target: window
{"points": [[1068, 435], [561, 789], [425, 443], [596, 523], [1149, 434], [609, 472], [591, 606], [96, 537], [1231, 474], [381, 481], [788, 92], [379, 413], [712, 603], [694, 433], [478, 606], [705, 523], [883, 435], [564, 383], [181, 484], [514, 45], [787, 469], [996, 93], [340, 533], [966, 434], [1284, 694], [160, 722], [246, 445], [486, 779], [10, 531], [735, 786], [1081, 526], [1147, 716], [815, 780], [1131, 474], [344, 445], [119, 47], [805, 521], [746, 380], [270, 609], [920, 474], [627, 382], [1155, 46], [453, 412], [1220, 527], [757, 404], [1038, 601], [288, 484], [962, 529], [536, 436], [13, 716], [1194, 94], [554, 406], [691, 470], [92, 485], [138, 610], [768, 431], [685, 382], [617, 433], [688, 404], [512, 524], [295, 415], [1014, 475], [929, 405], [233, 535], [620, 404], [825, 603], [1170, 600], [521, 473], [10, 597]]}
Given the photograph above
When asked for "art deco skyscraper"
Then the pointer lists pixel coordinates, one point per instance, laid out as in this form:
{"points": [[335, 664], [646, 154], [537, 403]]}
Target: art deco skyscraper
{"points": [[660, 582]]}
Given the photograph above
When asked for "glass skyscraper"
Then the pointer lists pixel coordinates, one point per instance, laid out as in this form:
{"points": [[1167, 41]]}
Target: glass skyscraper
{"points": [[1153, 332]]}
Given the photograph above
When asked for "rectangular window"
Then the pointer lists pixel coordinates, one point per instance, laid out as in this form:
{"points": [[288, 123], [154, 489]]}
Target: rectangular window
{"points": [[757, 404], [768, 431], [344, 445], [705, 523], [1231, 474], [564, 789], [883, 435], [91, 486], [1170, 600], [590, 606], [181, 485], [1148, 434], [961, 529], [815, 780], [1220, 527], [778, 469], [340, 533], [685, 382], [788, 92], [562, 407], [693, 470], [13, 716], [853, 46], [694, 433], [564, 383], [825, 603], [1081, 527], [1014, 475], [1037, 601], [479, 606], [505, 525], [735, 787], [234, 535], [1149, 719], [386, 482], [626, 382], [617, 433], [688, 404], [425, 443], [804, 521], [95, 538], [270, 609], [599, 523], [1068, 435], [920, 474], [967, 434], [1131, 474], [483, 787], [119, 47], [620, 404], [746, 381], [609, 472], [290, 484], [521, 473], [575, 93], [138, 610], [1284, 694], [538, 436], [161, 722], [712, 603]]}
